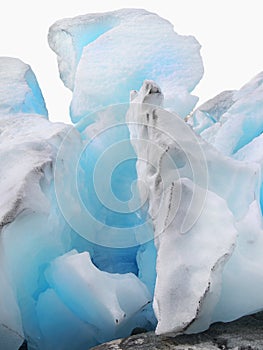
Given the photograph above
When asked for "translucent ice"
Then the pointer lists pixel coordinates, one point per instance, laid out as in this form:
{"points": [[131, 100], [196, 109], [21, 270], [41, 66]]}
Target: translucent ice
{"points": [[237, 131], [28, 220], [129, 219], [103, 56], [99, 298], [19, 90], [35, 240], [240, 111]]}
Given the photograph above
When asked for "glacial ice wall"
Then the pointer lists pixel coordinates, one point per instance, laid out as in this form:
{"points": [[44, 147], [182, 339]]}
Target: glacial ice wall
{"points": [[203, 233], [41, 254], [27, 143], [132, 218], [237, 132]]}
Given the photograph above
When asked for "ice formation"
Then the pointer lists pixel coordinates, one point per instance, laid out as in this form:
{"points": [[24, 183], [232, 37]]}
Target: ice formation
{"points": [[132, 217], [101, 59], [222, 229], [236, 112], [19, 88]]}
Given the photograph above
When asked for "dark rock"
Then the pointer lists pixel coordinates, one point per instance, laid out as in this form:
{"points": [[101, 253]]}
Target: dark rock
{"points": [[243, 334], [138, 330], [23, 346]]}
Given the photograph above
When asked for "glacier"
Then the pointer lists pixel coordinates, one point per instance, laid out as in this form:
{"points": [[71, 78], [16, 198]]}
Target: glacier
{"points": [[143, 214]]}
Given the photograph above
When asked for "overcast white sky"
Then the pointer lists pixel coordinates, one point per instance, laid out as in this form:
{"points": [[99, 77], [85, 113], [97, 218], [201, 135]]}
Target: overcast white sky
{"points": [[230, 32]]}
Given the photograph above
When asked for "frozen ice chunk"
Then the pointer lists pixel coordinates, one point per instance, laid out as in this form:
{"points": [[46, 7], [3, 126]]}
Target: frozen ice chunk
{"points": [[19, 89], [104, 56], [193, 208], [32, 230], [11, 332], [34, 233], [186, 285], [240, 122], [146, 259], [60, 328], [252, 152], [158, 135], [104, 300], [242, 283], [211, 111], [68, 37], [218, 105], [238, 131], [27, 150]]}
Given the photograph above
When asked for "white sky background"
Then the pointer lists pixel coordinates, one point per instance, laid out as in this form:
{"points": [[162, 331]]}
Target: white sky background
{"points": [[230, 32]]}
